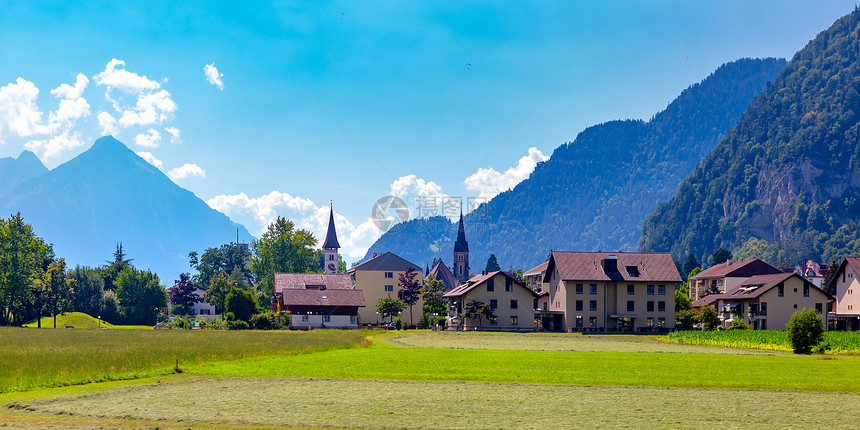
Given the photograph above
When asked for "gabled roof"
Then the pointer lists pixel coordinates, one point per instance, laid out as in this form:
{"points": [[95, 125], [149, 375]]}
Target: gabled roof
{"points": [[737, 269], [322, 298], [290, 281], [441, 272], [540, 269], [331, 235], [854, 262], [480, 279], [755, 286], [587, 266], [386, 261], [461, 245]]}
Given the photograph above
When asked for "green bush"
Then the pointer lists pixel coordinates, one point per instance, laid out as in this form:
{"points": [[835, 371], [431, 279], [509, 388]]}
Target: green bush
{"points": [[442, 322], [399, 324], [268, 321], [237, 325], [424, 322], [805, 331], [739, 324]]}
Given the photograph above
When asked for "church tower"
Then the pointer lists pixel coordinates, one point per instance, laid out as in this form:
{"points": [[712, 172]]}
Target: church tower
{"points": [[330, 246], [461, 254]]}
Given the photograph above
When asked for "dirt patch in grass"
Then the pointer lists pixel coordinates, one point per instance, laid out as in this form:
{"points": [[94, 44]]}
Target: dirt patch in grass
{"points": [[412, 404], [554, 342]]}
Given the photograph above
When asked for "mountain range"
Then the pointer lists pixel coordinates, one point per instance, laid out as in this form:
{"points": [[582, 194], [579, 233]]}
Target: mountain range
{"points": [[108, 195], [593, 193], [785, 182]]}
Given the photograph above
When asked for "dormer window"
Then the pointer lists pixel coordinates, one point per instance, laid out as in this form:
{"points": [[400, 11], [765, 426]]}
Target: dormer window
{"points": [[633, 271]]}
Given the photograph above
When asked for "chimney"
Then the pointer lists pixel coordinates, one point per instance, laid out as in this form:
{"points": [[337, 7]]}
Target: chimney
{"points": [[483, 272], [610, 265], [374, 255]]}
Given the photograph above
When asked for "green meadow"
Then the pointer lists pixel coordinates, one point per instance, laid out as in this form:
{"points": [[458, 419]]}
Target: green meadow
{"points": [[416, 379]]}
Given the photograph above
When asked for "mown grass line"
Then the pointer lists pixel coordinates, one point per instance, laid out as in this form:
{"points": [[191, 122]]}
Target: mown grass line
{"points": [[386, 362], [35, 359], [838, 342]]}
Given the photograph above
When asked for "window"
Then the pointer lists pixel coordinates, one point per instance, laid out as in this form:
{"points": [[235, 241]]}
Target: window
{"points": [[513, 304], [326, 318], [661, 306], [780, 290], [661, 290], [579, 305], [494, 303], [631, 306], [819, 307], [304, 318], [633, 271], [515, 320], [578, 322], [763, 309], [806, 291], [592, 322], [490, 285], [389, 288], [795, 305], [494, 320], [578, 288], [649, 321], [650, 290], [544, 305], [630, 289], [331, 257], [592, 305], [509, 285], [661, 322], [592, 289], [650, 306], [389, 275]]}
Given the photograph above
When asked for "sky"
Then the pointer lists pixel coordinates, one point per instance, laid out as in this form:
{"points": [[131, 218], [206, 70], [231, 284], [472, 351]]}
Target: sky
{"points": [[269, 109]]}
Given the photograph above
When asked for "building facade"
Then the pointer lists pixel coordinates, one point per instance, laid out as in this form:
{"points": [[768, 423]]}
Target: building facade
{"points": [[723, 277], [512, 303], [846, 287], [767, 302], [379, 277], [317, 300]]}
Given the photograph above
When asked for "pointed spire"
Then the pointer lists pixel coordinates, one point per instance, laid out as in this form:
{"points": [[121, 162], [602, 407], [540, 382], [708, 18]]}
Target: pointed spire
{"points": [[331, 235], [461, 245]]}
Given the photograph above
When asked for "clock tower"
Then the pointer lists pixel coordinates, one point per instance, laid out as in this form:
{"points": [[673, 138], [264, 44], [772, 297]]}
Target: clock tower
{"points": [[330, 246], [461, 254]]}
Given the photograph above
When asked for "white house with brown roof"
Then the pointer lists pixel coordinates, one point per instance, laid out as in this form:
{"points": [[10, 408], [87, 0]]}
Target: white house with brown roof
{"points": [[722, 277], [618, 291], [512, 303], [813, 272], [768, 301], [534, 277], [317, 300], [846, 310]]}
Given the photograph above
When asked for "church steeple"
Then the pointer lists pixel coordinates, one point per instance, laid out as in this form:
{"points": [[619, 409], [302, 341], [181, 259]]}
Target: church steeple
{"points": [[461, 253], [330, 245]]}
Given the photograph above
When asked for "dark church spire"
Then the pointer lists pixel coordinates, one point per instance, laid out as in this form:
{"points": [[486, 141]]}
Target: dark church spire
{"points": [[331, 235], [461, 245]]}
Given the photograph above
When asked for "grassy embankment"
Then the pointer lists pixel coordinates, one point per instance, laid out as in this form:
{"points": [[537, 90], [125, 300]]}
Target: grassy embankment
{"points": [[80, 320], [840, 342], [49, 358]]}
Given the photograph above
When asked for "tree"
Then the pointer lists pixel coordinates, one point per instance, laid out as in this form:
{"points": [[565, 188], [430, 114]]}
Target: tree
{"points": [[219, 287], [281, 249], [805, 330], [492, 264], [683, 302], [57, 289], [181, 295], [721, 255], [87, 292], [389, 307], [241, 304], [110, 272], [410, 289], [708, 317], [690, 263], [141, 295], [479, 310], [828, 278], [431, 296], [22, 255], [229, 258], [685, 318]]}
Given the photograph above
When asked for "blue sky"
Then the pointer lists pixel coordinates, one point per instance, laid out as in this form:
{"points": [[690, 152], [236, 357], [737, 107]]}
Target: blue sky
{"points": [[351, 101]]}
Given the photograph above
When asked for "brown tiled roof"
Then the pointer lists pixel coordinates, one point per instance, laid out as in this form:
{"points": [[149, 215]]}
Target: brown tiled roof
{"points": [[288, 281], [710, 299], [386, 261], [587, 266], [854, 262], [480, 279], [441, 272], [322, 298], [764, 283], [541, 268], [737, 269]]}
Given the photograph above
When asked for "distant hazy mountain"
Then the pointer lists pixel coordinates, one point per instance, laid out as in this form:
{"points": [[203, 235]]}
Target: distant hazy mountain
{"points": [[785, 183], [107, 195], [14, 171], [594, 192]]}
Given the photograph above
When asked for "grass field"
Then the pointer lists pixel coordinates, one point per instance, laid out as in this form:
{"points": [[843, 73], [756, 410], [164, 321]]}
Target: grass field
{"points": [[46, 358], [839, 342], [426, 379], [80, 320], [399, 404]]}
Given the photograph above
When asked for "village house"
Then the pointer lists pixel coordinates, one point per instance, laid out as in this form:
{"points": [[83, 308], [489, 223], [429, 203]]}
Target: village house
{"points": [[768, 301], [723, 277], [600, 291], [846, 310], [442, 273], [534, 277], [317, 300], [378, 277], [202, 309], [512, 303], [813, 272]]}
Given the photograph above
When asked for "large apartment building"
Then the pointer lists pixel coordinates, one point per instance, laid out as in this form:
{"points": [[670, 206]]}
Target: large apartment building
{"points": [[512, 303], [617, 291], [378, 277]]}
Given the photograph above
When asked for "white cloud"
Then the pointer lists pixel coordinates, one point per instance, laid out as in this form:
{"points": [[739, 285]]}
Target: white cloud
{"points": [[19, 114], [151, 108], [150, 139], [152, 104], [186, 170], [175, 134], [107, 123], [426, 198], [213, 76], [489, 182], [150, 159], [55, 145], [115, 76]]}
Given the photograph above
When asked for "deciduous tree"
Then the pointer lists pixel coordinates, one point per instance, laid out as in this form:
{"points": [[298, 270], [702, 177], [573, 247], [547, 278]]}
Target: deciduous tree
{"points": [[479, 310], [389, 307], [181, 295], [410, 289], [281, 249], [22, 255]]}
